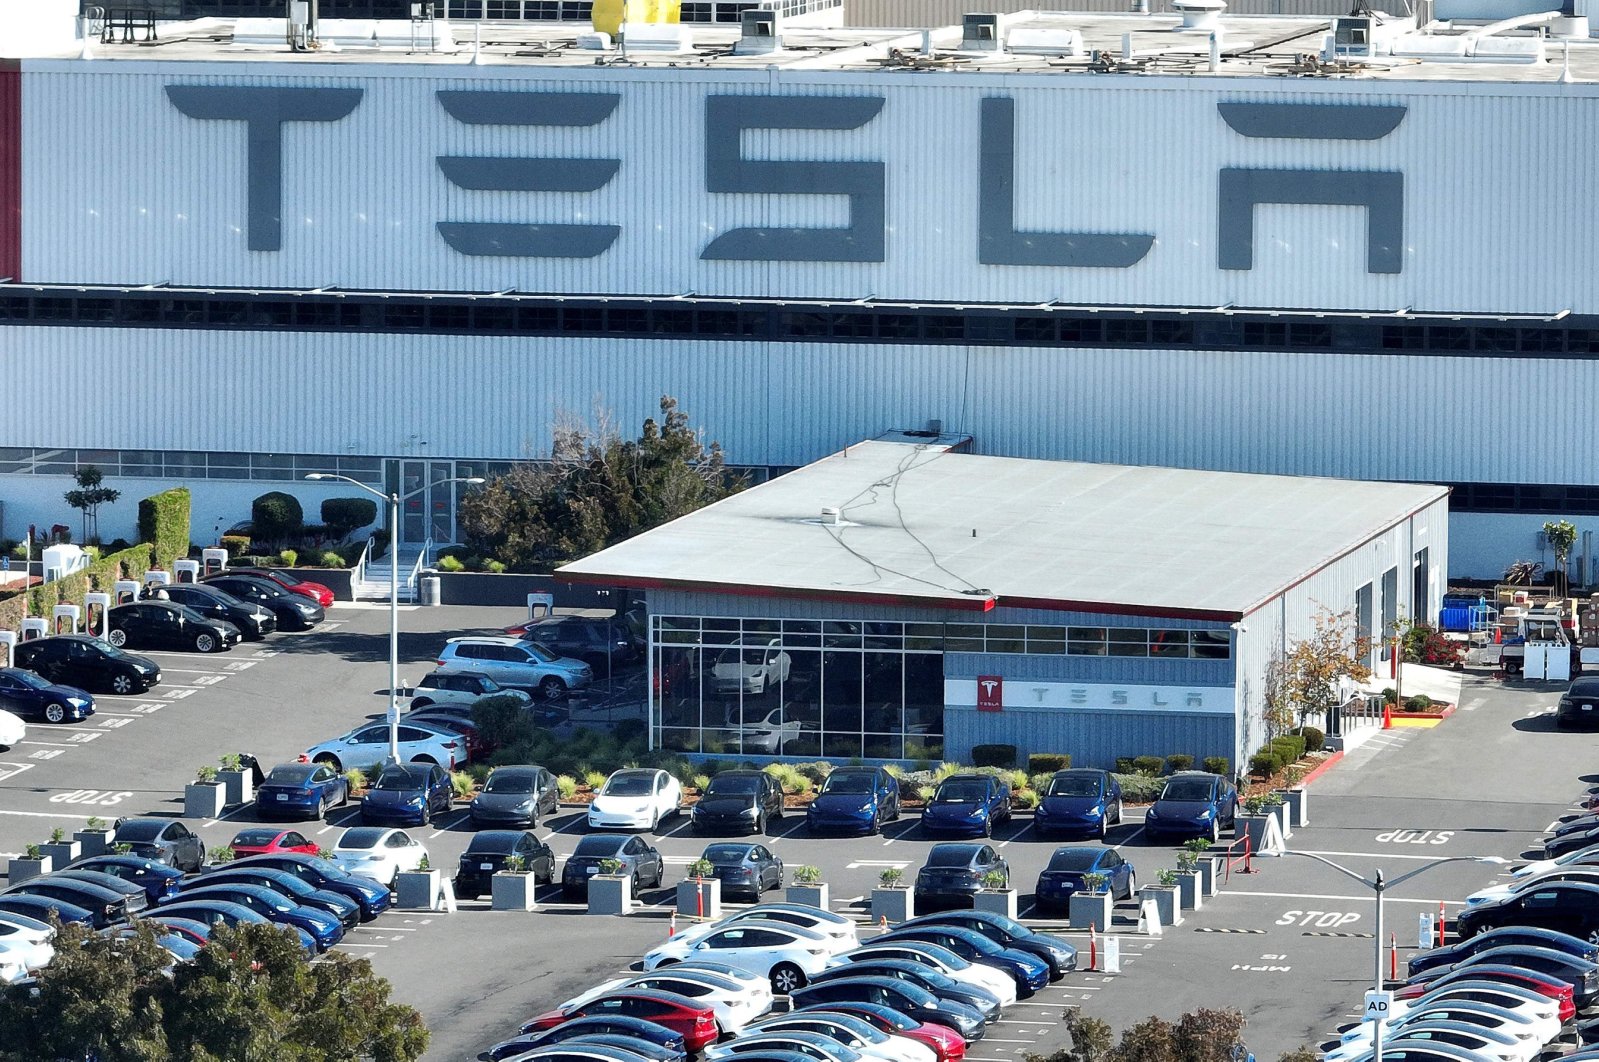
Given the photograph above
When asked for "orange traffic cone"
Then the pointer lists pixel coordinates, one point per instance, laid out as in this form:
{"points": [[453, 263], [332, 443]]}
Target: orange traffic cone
{"points": [[671, 926], [1387, 717]]}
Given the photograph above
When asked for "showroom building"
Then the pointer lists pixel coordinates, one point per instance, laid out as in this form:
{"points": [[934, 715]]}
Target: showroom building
{"points": [[905, 600]]}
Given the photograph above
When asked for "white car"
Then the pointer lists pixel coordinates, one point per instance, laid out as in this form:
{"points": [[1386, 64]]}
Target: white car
{"points": [[768, 730], [941, 959], [1483, 1042], [12, 730], [367, 747], [850, 1031], [1585, 857], [460, 687], [635, 799], [1576, 872], [786, 955], [734, 1004], [1522, 1023], [752, 669], [26, 941], [1512, 997], [839, 931], [815, 1045], [378, 852]]}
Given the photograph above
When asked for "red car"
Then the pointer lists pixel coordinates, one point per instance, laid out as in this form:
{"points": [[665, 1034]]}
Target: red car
{"points": [[289, 581], [696, 1024], [945, 1042], [271, 841]]}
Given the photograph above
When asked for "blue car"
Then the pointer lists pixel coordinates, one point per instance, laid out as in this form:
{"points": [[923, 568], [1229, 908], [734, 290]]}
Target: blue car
{"points": [[373, 896], [1193, 804], [407, 794], [42, 907], [156, 879], [1525, 936], [618, 1025], [1028, 971], [211, 911], [26, 694], [1077, 802], [1071, 863], [967, 805], [346, 910], [272, 905], [1009, 933], [300, 791], [854, 800]]}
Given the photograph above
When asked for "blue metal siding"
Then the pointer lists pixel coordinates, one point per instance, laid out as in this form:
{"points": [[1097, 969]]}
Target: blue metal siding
{"points": [[1093, 738], [1153, 671]]}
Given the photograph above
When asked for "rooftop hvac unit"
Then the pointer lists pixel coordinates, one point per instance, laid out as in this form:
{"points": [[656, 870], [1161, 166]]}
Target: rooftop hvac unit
{"points": [[302, 24], [980, 32], [757, 33], [1352, 36]]}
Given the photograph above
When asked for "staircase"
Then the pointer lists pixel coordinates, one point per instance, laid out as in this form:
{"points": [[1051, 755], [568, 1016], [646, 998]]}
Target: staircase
{"points": [[371, 579]]}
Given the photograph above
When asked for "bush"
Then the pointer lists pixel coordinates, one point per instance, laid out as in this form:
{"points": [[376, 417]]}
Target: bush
{"points": [[1025, 799], [1264, 764], [1139, 788], [1419, 703], [462, 783], [1315, 740], [494, 566], [276, 515], [994, 755], [1390, 695], [356, 778], [567, 785], [1283, 750], [343, 515], [1048, 762], [329, 559], [450, 564], [1179, 761], [1219, 765], [289, 558], [1149, 765], [817, 770], [1124, 765], [236, 545], [164, 524]]}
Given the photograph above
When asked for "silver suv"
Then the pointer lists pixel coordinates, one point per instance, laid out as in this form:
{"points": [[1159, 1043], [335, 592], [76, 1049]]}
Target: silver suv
{"points": [[460, 687], [517, 664]]}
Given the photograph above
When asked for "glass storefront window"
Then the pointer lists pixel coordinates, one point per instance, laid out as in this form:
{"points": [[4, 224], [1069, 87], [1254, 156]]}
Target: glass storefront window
{"points": [[1168, 643], [1128, 641], [963, 637], [1085, 641]]}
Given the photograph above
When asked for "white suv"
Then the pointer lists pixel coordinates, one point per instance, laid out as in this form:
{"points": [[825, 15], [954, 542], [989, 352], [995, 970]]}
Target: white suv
{"points": [[460, 687], [515, 663]]}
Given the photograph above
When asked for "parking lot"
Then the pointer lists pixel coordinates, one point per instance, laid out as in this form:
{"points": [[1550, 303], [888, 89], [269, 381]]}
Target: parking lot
{"points": [[1290, 945]]}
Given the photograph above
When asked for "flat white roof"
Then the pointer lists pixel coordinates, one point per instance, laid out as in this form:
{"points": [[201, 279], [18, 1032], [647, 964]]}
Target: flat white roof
{"points": [[923, 525]]}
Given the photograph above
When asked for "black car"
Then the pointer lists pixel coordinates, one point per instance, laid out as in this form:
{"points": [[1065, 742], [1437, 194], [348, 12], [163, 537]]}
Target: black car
{"points": [[164, 840], [79, 660], [741, 801], [1579, 705], [295, 612], [168, 625], [1572, 841], [1568, 906], [954, 872], [108, 907], [744, 869], [1007, 933], [616, 1025], [488, 852], [897, 995], [1579, 973], [516, 795], [639, 860], [136, 897], [254, 622], [25, 694], [599, 643], [921, 975], [1498, 938]]}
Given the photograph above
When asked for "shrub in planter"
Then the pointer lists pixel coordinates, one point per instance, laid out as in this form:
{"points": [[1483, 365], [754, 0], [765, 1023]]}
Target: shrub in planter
{"points": [[276, 515], [1419, 703], [236, 545], [450, 564], [1315, 740], [494, 567], [993, 755], [343, 515], [1390, 695], [700, 868], [1048, 762], [1218, 765], [1149, 765], [1139, 788], [222, 854], [807, 875], [1179, 761], [327, 559], [891, 878], [1264, 764], [567, 785], [1025, 799]]}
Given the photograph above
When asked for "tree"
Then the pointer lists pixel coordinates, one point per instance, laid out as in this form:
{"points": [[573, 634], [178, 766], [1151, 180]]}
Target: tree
{"points": [[1562, 535], [597, 489], [1316, 667], [275, 516], [88, 498]]}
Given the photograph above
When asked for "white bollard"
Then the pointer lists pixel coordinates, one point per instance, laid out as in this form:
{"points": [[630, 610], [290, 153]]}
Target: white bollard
{"points": [[1424, 938], [1112, 951]]}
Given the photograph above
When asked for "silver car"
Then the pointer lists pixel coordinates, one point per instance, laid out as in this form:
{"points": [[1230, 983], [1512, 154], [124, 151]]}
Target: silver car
{"points": [[460, 687], [516, 663]]}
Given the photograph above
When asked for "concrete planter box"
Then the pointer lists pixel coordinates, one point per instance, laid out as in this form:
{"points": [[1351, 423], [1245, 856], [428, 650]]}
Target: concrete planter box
{"points": [[809, 895], [1295, 800], [1165, 899], [19, 870], [1190, 890], [240, 786], [1090, 910], [511, 892], [204, 800], [1210, 875], [1280, 813], [998, 901], [1254, 827], [611, 894], [416, 889], [61, 854], [896, 905], [697, 898], [93, 842]]}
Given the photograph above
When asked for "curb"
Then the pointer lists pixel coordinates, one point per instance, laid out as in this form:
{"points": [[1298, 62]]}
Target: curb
{"points": [[1325, 766]]}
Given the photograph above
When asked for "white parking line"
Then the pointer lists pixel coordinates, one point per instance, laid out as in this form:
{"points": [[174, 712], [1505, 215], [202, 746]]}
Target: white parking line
{"points": [[1130, 838], [459, 816], [349, 944], [1355, 899], [191, 671], [41, 814], [1372, 855], [1025, 831], [58, 744]]}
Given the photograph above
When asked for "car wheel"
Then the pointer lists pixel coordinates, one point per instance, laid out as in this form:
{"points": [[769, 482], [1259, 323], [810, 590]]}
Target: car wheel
{"points": [[988, 827], [55, 713], [1132, 885], [429, 760], [1104, 827], [760, 824], [552, 688], [638, 886], [786, 978], [122, 684], [660, 871], [1215, 830], [331, 760], [204, 643], [1119, 809], [321, 808], [118, 637], [655, 823]]}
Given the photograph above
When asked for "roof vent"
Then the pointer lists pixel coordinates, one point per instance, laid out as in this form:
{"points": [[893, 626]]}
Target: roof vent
{"points": [[663, 37], [1044, 40], [1199, 16], [757, 33], [830, 515], [980, 32], [1352, 37]]}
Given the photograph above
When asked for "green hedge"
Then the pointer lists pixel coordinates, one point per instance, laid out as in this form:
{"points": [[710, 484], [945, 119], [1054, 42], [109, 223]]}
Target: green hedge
{"points": [[993, 755], [1179, 761], [343, 515], [1048, 762], [1219, 765], [164, 523]]}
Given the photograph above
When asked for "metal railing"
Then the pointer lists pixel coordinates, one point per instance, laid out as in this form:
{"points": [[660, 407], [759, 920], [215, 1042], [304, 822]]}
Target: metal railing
{"points": [[1239, 860], [416, 568], [361, 564]]}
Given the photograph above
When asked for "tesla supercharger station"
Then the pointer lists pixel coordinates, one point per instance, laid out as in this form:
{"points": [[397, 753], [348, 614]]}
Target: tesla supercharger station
{"points": [[126, 591], [64, 619], [187, 571], [34, 627], [213, 560], [535, 602], [94, 614], [159, 578], [8, 642]]}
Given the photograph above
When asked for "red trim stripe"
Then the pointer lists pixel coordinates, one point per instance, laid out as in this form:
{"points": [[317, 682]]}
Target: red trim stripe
{"points": [[10, 169]]}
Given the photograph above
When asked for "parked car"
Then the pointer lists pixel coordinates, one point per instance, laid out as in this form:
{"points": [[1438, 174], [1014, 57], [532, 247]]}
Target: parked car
{"points": [[134, 897], [458, 721], [487, 852], [157, 879], [301, 791], [367, 747], [1521, 1023], [1568, 907], [1476, 1040], [1575, 872], [1579, 705], [1580, 973], [253, 621], [372, 895], [1060, 955], [460, 687], [640, 861], [941, 959], [324, 928], [954, 872], [322, 595], [897, 995], [945, 1043], [168, 625], [922, 975], [1028, 971], [163, 840], [12, 730], [635, 798], [692, 1020], [26, 941], [599, 643], [1562, 844], [1070, 864], [615, 1026], [731, 999], [1495, 938], [377, 852], [233, 914], [342, 907], [87, 663], [838, 930], [516, 795], [44, 908], [1586, 857], [407, 794], [853, 1032], [1079, 801], [1192, 804], [1522, 999], [969, 805], [758, 665], [738, 800], [106, 907], [744, 869], [192, 930], [257, 840], [28, 696], [294, 612], [512, 662], [807, 1045], [1554, 988], [854, 799], [787, 955]]}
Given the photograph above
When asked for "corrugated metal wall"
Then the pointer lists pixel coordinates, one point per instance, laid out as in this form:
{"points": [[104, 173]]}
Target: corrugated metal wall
{"points": [[916, 14], [1138, 154], [1094, 739]]}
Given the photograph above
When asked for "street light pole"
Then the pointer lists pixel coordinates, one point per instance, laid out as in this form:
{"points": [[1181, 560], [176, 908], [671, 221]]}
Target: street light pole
{"points": [[394, 498]]}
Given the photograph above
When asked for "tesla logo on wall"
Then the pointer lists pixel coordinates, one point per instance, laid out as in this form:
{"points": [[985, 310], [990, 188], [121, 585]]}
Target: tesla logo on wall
{"points": [[990, 693]]}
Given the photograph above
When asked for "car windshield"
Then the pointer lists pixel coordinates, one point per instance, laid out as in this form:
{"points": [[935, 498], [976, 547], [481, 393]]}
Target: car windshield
{"points": [[539, 651], [187, 613], [491, 843], [112, 651], [1074, 785], [1186, 789], [727, 853], [519, 782], [291, 774], [733, 785], [959, 793], [254, 838], [838, 782], [944, 855], [137, 831], [400, 778], [599, 846], [1075, 859], [28, 678], [362, 837], [629, 785]]}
